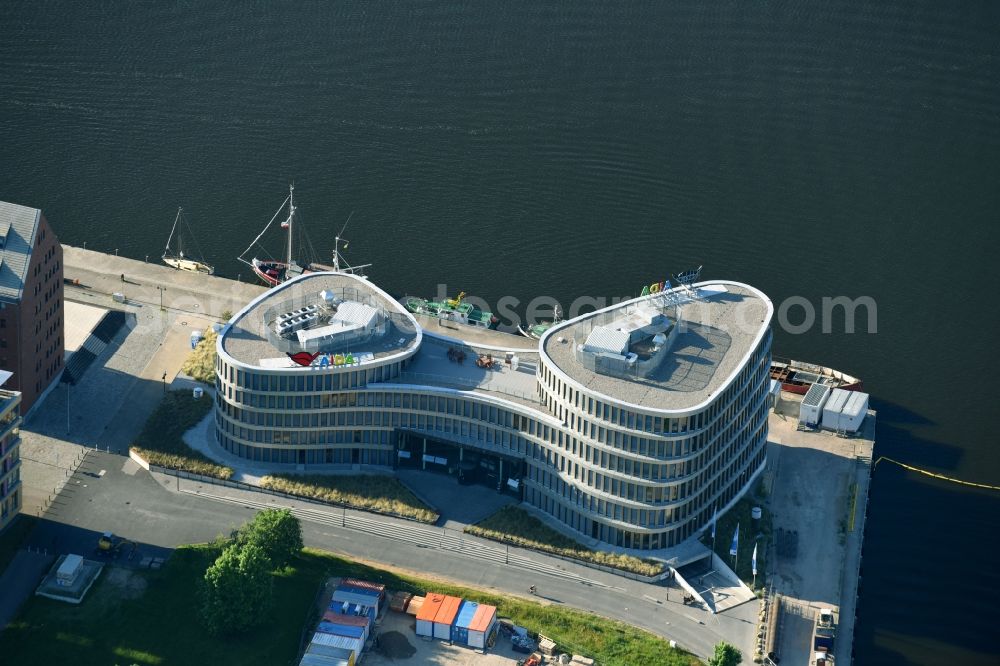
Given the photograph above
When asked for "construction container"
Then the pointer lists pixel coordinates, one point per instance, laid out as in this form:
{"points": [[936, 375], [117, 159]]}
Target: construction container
{"points": [[331, 652], [833, 407], [355, 645], [445, 617], [358, 596], [854, 412], [460, 630], [425, 615], [360, 621], [342, 630], [365, 584], [473, 624], [347, 608], [483, 623], [313, 659], [70, 568], [811, 410]]}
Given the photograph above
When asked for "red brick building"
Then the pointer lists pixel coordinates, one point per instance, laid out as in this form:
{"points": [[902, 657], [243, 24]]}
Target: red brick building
{"points": [[32, 342]]}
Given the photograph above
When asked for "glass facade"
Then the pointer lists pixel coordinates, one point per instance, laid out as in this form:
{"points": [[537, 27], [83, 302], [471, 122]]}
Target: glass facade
{"points": [[628, 476]]}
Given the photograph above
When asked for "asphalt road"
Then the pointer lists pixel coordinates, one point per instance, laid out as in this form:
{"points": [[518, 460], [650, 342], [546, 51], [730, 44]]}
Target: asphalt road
{"points": [[109, 492]]}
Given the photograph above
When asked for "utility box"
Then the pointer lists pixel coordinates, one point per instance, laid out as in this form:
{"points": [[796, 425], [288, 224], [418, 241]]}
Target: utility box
{"points": [[118, 297]]}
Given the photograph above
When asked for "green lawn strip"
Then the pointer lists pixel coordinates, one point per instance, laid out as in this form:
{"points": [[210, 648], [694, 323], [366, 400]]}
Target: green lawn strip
{"points": [[161, 440], [161, 627], [751, 531], [13, 536], [371, 492], [518, 527], [200, 363]]}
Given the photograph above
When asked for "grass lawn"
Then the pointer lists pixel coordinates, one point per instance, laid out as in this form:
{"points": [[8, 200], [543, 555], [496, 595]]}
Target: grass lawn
{"points": [[516, 526], [371, 492], [151, 618], [200, 363], [13, 536], [161, 440], [751, 531]]}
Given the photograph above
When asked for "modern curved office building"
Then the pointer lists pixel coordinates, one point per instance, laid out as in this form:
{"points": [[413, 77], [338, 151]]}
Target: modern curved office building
{"points": [[629, 425]]}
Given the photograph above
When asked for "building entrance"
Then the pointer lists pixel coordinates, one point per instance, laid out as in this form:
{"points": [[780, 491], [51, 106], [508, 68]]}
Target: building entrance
{"points": [[466, 463]]}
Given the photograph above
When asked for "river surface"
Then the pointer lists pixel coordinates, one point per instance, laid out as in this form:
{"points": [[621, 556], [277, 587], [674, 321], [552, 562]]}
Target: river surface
{"points": [[571, 149]]}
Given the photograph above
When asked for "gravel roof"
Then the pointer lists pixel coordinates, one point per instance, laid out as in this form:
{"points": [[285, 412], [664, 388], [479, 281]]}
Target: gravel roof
{"points": [[718, 332], [246, 338]]}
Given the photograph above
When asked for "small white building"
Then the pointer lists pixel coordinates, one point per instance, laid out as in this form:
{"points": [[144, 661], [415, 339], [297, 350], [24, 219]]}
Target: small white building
{"points": [[811, 410], [833, 407], [854, 412]]}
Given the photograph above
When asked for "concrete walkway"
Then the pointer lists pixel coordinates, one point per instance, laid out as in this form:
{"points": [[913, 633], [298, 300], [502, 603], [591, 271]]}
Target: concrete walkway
{"points": [[100, 276]]}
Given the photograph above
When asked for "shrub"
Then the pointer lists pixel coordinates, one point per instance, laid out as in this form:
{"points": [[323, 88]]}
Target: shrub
{"points": [[370, 492], [516, 526]]}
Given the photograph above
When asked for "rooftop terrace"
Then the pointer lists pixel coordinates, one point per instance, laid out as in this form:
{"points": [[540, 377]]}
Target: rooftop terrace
{"points": [[251, 338], [715, 334]]}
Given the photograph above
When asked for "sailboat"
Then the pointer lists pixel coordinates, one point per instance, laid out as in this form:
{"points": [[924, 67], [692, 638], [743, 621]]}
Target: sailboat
{"points": [[179, 260], [273, 272]]}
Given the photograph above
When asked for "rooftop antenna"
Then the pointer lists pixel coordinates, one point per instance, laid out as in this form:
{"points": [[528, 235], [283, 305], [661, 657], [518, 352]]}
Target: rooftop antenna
{"points": [[683, 293]]}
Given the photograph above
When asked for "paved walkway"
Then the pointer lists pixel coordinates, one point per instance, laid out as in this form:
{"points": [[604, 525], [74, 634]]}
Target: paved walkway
{"points": [[100, 276]]}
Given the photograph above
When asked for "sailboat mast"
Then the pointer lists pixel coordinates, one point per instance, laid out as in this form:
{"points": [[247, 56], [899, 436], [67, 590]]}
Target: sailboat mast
{"points": [[291, 214], [174, 229]]}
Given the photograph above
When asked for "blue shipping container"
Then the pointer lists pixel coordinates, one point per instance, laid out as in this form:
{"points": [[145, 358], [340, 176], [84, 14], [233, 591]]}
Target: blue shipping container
{"points": [[341, 630], [460, 629]]}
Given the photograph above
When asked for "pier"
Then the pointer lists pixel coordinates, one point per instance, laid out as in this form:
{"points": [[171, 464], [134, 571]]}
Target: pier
{"points": [[818, 491], [95, 278]]}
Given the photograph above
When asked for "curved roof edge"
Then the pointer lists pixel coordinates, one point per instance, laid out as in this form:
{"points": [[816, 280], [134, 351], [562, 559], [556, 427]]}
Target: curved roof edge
{"points": [[694, 409], [409, 351]]}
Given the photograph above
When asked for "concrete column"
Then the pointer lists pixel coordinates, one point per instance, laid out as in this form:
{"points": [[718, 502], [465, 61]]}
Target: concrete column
{"points": [[423, 461]]}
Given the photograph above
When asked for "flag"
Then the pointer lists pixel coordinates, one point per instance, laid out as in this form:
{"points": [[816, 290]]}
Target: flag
{"points": [[753, 560], [715, 515], [736, 541]]}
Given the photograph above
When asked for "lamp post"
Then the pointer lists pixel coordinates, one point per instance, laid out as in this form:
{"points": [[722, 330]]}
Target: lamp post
{"points": [[164, 379], [161, 289]]}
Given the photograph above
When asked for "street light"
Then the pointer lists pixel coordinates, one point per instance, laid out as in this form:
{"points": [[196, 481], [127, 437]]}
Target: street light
{"points": [[164, 378], [161, 289]]}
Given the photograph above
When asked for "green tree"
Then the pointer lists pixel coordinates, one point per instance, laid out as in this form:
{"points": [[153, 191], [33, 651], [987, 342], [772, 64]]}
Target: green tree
{"points": [[277, 532], [237, 590], [725, 655]]}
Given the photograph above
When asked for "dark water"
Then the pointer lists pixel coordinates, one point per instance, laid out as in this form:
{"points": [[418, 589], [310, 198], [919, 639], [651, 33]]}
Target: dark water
{"points": [[578, 148]]}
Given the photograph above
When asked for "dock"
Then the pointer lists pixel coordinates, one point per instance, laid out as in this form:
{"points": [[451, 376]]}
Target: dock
{"points": [[819, 485], [95, 278]]}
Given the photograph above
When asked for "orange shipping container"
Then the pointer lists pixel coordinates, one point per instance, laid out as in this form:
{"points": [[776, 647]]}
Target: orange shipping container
{"points": [[445, 617], [425, 616]]}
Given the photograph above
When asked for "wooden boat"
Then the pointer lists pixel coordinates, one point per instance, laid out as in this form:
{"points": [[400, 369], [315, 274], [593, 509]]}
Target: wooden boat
{"points": [[275, 271], [797, 376]]}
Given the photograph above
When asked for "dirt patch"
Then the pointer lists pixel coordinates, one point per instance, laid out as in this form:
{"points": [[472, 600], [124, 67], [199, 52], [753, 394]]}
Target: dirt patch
{"points": [[124, 583], [395, 645]]}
